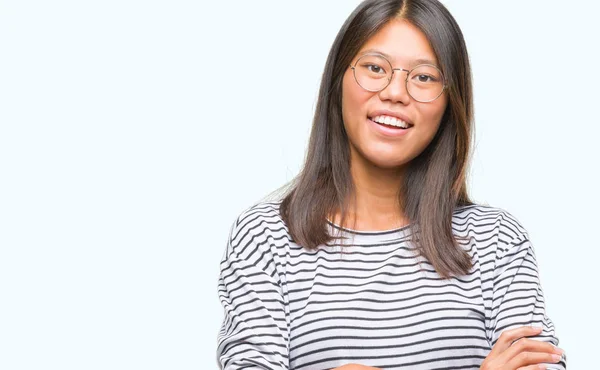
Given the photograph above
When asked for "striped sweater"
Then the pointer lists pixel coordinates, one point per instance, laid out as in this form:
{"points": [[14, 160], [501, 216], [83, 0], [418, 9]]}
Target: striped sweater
{"points": [[371, 299]]}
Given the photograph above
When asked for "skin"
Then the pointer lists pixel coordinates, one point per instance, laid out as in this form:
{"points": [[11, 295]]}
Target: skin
{"points": [[378, 162], [514, 350]]}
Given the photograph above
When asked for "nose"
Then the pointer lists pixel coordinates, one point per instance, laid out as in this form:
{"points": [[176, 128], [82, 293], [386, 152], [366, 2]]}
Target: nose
{"points": [[396, 90]]}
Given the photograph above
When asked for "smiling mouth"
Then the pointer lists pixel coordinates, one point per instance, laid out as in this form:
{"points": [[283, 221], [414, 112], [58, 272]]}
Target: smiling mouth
{"points": [[390, 122]]}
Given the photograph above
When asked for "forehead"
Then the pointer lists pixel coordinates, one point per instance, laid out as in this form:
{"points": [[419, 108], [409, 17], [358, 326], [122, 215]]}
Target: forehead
{"points": [[402, 43]]}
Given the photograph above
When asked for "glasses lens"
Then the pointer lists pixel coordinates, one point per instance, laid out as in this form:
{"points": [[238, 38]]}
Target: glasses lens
{"points": [[372, 72], [425, 83]]}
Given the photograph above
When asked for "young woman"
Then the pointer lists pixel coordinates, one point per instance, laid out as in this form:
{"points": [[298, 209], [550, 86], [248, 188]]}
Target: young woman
{"points": [[375, 257]]}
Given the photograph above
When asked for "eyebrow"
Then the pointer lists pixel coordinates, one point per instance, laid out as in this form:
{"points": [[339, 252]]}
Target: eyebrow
{"points": [[412, 63]]}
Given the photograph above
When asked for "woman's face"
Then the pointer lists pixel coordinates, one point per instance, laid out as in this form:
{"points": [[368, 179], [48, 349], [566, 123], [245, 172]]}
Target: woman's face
{"points": [[374, 143]]}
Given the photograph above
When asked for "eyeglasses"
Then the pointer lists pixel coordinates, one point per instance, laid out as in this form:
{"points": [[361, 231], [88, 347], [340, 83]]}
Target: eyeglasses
{"points": [[424, 83]]}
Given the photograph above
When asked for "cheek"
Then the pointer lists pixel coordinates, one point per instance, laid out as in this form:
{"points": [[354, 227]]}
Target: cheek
{"points": [[354, 100], [433, 113], [441, 107]]}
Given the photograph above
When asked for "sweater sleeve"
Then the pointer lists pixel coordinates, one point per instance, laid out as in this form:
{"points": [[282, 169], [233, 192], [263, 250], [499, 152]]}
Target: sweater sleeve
{"points": [[518, 298], [254, 332]]}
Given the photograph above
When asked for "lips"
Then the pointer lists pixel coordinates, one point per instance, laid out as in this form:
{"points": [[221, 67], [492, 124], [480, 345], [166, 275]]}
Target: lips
{"points": [[390, 121], [389, 113], [387, 132]]}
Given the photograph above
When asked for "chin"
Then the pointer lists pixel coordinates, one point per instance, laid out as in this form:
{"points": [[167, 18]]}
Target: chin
{"points": [[386, 162]]}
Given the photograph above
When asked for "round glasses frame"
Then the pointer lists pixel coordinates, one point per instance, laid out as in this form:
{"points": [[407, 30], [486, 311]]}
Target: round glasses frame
{"points": [[409, 71]]}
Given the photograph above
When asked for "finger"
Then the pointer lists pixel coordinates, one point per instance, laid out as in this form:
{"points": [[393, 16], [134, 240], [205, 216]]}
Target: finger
{"points": [[532, 358], [507, 337], [533, 367], [528, 345]]}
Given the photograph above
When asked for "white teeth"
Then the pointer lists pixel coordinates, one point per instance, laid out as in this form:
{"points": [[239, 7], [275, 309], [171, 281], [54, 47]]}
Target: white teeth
{"points": [[388, 120]]}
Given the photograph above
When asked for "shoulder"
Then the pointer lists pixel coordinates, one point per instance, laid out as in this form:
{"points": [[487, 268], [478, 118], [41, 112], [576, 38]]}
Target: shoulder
{"points": [[480, 218], [258, 227], [258, 218], [489, 232]]}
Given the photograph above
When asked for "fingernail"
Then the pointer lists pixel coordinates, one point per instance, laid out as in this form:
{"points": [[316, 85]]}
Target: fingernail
{"points": [[560, 351], [542, 367], [556, 358]]}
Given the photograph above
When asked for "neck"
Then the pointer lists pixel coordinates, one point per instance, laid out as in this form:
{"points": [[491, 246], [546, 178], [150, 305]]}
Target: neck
{"points": [[375, 202]]}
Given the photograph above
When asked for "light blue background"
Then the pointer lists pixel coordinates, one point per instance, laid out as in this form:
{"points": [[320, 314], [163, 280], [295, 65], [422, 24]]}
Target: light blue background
{"points": [[132, 133]]}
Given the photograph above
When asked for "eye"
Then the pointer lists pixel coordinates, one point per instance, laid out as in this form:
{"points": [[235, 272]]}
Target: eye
{"points": [[425, 78], [421, 78], [375, 68]]}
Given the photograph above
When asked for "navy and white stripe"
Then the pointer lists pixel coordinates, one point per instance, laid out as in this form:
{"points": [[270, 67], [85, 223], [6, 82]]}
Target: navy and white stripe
{"points": [[370, 300]]}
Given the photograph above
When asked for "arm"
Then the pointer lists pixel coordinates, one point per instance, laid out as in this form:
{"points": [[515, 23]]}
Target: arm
{"points": [[254, 332], [517, 294]]}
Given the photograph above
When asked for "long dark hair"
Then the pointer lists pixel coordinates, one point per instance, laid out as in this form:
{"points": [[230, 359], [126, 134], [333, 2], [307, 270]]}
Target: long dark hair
{"points": [[435, 181]]}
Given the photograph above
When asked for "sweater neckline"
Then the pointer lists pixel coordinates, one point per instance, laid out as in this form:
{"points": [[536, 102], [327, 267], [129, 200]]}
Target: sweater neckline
{"points": [[368, 232]]}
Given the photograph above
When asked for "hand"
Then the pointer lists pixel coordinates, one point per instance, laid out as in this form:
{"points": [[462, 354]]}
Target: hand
{"points": [[515, 352], [356, 367]]}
